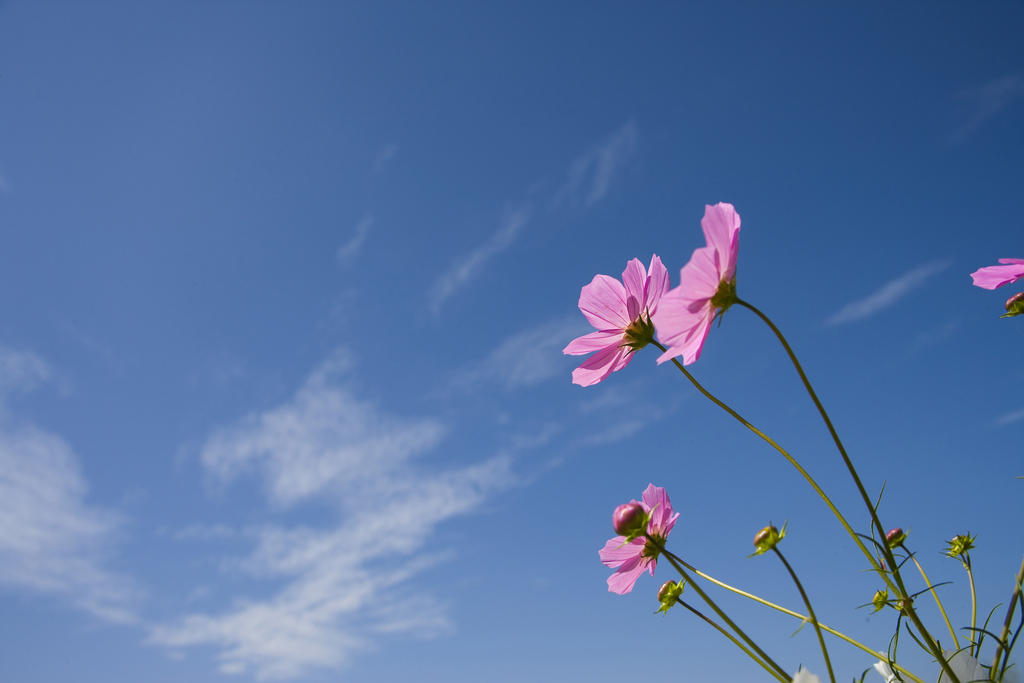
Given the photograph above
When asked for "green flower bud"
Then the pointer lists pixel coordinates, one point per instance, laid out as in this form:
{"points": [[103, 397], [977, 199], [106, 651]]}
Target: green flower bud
{"points": [[961, 544], [668, 594], [767, 538], [1014, 305], [895, 537], [880, 600]]}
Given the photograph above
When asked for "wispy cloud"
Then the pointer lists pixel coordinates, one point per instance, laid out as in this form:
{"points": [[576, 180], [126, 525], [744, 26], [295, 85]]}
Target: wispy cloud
{"points": [[342, 582], [987, 100], [464, 270], [347, 252], [526, 358], [385, 155], [51, 541], [1010, 418], [888, 294], [591, 175]]}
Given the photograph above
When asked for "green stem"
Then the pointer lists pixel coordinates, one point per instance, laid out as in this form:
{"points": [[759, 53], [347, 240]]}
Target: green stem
{"points": [[810, 612], [711, 603], [902, 591], [1008, 620], [792, 461], [935, 595], [796, 615], [737, 643], [974, 607]]}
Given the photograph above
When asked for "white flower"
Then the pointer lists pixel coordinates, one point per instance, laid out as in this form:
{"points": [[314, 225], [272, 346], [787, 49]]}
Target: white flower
{"points": [[885, 671], [965, 667], [805, 676]]}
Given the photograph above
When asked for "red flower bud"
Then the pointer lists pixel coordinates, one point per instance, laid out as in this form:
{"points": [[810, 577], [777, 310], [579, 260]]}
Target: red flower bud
{"points": [[628, 519], [895, 537]]}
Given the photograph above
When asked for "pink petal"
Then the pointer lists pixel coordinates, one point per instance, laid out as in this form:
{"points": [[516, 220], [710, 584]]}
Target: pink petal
{"points": [[1011, 260], [699, 278], [992, 277], [683, 325], [658, 283], [721, 226], [622, 580], [657, 499], [603, 303], [614, 553], [635, 280], [595, 341], [601, 364]]}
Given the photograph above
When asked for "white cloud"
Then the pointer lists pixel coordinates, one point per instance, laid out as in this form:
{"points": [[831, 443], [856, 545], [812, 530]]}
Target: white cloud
{"points": [[888, 294], [1010, 418], [988, 100], [591, 176], [385, 155], [345, 583], [468, 268], [347, 252], [526, 358], [51, 541]]}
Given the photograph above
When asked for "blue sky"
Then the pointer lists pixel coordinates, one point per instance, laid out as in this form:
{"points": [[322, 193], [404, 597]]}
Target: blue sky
{"points": [[284, 288]]}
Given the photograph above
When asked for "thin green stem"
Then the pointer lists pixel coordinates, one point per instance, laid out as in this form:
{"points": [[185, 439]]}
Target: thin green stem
{"points": [[1009, 619], [711, 603], [810, 612], [974, 608], [737, 643], [935, 595], [933, 645], [795, 615], [792, 461]]}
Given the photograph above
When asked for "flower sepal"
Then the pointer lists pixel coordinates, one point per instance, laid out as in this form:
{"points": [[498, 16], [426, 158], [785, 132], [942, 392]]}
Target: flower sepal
{"points": [[960, 544]]}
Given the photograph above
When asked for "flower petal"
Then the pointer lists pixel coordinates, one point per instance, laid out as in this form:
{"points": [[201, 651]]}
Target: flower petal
{"points": [[622, 580], [616, 551], [658, 283], [992, 277], [721, 226], [634, 277], [595, 341], [603, 363], [1011, 260], [683, 325], [603, 303]]}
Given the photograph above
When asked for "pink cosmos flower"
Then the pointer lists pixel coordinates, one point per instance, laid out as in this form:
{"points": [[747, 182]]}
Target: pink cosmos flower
{"points": [[633, 557], [707, 287], [622, 316], [991, 277]]}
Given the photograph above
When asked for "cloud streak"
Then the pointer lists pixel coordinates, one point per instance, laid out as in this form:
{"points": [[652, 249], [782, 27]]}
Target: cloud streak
{"points": [[888, 294], [465, 270], [988, 100], [591, 175], [341, 581], [1010, 418], [347, 252], [51, 541]]}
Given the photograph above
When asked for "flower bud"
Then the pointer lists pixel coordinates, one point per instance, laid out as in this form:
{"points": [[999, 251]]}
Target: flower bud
{"points": [[669, 593], [880, 600], [767, 538], [895, 537], [1014, 305], [629, 519]]}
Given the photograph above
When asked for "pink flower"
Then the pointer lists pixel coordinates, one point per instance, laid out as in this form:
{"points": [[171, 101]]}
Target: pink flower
{"points": [[622, 316], [991, 277], [633, 557], [707, 287]]}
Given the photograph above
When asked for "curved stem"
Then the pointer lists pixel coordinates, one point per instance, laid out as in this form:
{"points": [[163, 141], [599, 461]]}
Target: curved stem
{"points": [[711, 603], [737, 643], [1009, 619], [810, 612], [902, 591], [935, 595], [792, 461], [796, 615]]}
